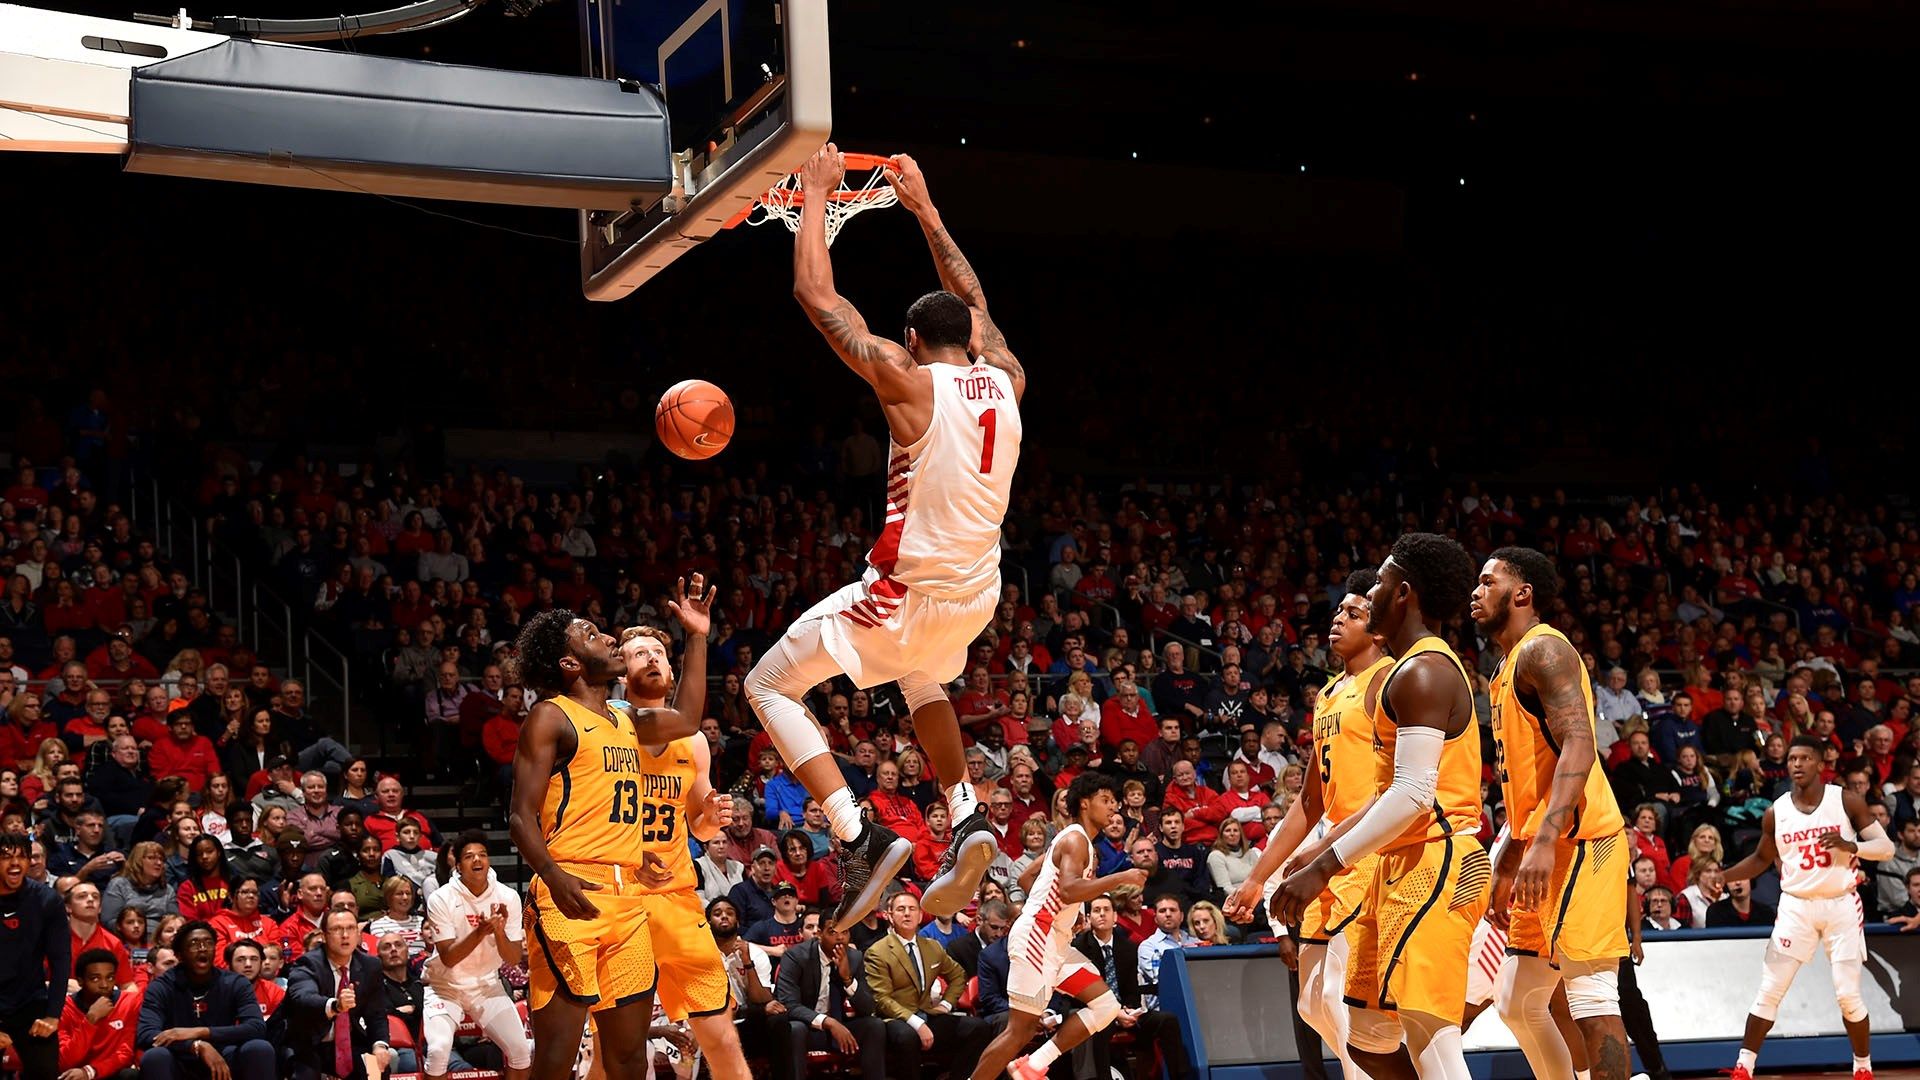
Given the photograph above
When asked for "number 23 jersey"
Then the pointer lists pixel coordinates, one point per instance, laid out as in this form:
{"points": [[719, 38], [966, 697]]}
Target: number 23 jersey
{"points": [[666, 786]]}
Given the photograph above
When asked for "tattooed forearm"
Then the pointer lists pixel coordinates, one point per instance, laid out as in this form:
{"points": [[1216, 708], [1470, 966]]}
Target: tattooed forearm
{"points": [[956, 273]]}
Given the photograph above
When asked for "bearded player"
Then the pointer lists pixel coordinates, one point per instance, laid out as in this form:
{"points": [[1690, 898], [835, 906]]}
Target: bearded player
{"points": [[1407, 968], [678, 801], [1339, 782], [1564, 871], [576, 822], [933, 576]]}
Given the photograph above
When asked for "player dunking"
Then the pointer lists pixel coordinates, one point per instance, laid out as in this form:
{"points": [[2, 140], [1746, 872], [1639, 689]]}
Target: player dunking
{"points": [[1815, 834], [933, 575], [576, 823], [1040, 955], [1339, 783], [1407, 970], [679, 800], [1564, 872]]}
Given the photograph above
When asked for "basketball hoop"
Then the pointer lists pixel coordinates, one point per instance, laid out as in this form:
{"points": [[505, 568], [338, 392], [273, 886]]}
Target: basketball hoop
{"points": [[783, 201]]}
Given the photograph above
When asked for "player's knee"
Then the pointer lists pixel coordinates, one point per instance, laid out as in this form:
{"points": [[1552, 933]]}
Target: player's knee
{"points": [[1594, 994], [769, 679], [439, 1053], [1846, 987], [1776, 975], [1523, 995], [1372, 1032], [1102, 1011], [919, 690]]}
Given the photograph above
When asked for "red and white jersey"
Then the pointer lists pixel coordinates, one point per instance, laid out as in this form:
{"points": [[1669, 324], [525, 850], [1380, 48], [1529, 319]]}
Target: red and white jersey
{"points": [[454, 912], [1048, 923], [947, 493], [1808, 870]]}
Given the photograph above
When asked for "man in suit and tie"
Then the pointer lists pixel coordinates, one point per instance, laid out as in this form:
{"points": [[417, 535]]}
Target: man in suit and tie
{"points": [[902, 968], [829, 1005], [994, 918], [1118, 959], [336, 1007]]}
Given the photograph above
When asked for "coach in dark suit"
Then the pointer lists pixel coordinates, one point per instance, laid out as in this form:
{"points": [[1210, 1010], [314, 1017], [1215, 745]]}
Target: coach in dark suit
{"points": [[1118, 959], [829, 1005], [318, 1000], [995, 918]]}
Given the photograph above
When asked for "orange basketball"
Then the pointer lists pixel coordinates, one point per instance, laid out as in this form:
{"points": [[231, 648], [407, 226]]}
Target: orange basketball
{"points": [[694, 419]]}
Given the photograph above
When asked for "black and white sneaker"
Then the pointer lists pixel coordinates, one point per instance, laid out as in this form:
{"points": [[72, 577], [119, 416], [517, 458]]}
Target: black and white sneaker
{"points": [[972, 851], [867, 865]]}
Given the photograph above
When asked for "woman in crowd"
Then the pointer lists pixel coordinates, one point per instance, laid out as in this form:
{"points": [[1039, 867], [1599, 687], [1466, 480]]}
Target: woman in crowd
{"points": [[184, 662], [356, 790], [1705, 843], [243, 920], [1129, 914], [1705, 887], [1133, 807], [365, 883], [914, 782], [1645, 835], [142, 884], [204, 893], [234, 714], [9, 785], [1033, 845], [1205, 922], [398, 901], [246, 756], [130, 926], [1699, 792], [46, 763], [179, 844], [1232, 858], [814, 883], [215, 803]]}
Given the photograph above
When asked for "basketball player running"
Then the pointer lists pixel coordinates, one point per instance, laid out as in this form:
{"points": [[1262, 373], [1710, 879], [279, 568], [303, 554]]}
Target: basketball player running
{"points": [[933, 575], [1339, 783], [1564, 872], [477, 929], [678, 801], [1816, 834], [1407, 968], [1040, 955], [576, 822]]}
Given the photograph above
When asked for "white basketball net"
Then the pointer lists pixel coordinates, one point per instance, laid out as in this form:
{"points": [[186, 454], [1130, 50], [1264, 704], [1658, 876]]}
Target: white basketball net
{"points": [[783, 201]]}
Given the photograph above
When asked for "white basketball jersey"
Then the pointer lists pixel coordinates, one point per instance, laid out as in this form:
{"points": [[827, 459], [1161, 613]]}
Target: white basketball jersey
{"points": [[454, 912], [1052, 920], [947, 493], [1808, 870]]}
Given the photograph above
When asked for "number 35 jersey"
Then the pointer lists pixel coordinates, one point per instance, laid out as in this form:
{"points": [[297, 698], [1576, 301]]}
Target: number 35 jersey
{"points": [[666, 786], [592, 810]]}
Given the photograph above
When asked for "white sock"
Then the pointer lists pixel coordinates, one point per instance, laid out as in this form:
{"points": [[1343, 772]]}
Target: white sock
{"points": [[1043, 1058], [843, 814], [1583, 1074], [1863, 1062], [961, 801], [1747, 1058]]}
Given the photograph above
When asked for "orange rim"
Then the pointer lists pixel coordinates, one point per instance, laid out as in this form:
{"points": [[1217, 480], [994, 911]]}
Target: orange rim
{"points": [[796, 197]]}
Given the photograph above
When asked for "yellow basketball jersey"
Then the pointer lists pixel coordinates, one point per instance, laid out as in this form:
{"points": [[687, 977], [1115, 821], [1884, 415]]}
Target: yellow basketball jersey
{"points": [[666, 786], [1456, 796], [592, 810], [1343, 744], [1525, 756]]}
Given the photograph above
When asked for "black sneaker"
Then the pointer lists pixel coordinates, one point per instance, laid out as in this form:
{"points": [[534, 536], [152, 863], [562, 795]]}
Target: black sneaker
{"points": [[965, 863], [867, 866]]}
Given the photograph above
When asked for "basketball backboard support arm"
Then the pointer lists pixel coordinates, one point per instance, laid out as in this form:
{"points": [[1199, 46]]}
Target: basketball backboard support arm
{"points": [[768, 136]]}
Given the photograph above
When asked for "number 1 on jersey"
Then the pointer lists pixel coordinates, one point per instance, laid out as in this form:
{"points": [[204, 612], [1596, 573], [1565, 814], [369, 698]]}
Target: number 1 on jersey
{"points": [[991, 421]]}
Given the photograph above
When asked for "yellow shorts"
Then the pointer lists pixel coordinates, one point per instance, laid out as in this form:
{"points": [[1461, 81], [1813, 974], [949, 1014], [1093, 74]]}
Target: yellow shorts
{"points": [[603, 962], [1407, 950], [1582, 918], [1341, 903], [692, 976]]}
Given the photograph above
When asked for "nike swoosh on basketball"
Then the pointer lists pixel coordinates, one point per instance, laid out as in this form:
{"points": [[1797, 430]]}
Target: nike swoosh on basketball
{"points": [[703, 439]]}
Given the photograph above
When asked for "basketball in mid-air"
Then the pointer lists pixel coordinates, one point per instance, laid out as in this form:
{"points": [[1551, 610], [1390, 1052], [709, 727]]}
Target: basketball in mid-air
{"points": [[694, 419]]}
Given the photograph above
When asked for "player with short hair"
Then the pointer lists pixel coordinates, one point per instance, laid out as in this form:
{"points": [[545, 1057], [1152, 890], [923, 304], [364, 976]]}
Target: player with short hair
{"points": [[477, 930], [1339, 783], [1040, 954], [575, 822], [678, 801], [1407, 970], [1805, 832], [933, 576], [1564, 871]]}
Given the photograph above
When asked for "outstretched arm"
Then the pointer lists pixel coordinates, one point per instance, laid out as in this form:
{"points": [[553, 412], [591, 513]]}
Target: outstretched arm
{"points": [[1552, 670], [885, 365], [956, 273]]}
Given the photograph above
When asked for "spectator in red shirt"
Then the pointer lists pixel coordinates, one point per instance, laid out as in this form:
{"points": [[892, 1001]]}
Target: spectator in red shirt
{"points": [[246, 958], [1241, 802], [500, 737], [1026, 801], [980, 704], [84, 931], [184, 753], [203, 895], [241, 922], [306, 918], [26, 729], [389, 794], [813, 882], [1125, 715], [116, 661], [98, 1022], [1187, 795]]}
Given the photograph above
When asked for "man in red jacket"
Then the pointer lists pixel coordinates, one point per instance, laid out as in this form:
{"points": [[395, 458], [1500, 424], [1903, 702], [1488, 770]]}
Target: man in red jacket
{"points": [[184, 753], [1189, 796], [97, 1024]]}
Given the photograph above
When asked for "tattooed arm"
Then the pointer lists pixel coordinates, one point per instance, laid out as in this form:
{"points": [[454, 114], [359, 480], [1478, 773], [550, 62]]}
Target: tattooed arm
{"points": [[956, 273], [885, 365], [1551, 669]]}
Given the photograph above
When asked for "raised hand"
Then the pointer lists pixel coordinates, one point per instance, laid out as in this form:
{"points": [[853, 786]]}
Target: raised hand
{"points": [[910, 184], [823, 170]]}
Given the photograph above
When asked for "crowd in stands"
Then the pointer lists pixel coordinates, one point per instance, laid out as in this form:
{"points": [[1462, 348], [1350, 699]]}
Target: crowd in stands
{"points": [[163, 781]]}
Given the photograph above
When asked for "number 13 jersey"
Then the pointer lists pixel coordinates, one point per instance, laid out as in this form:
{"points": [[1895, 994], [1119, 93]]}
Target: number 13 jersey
{"points": [[593, 806]]}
